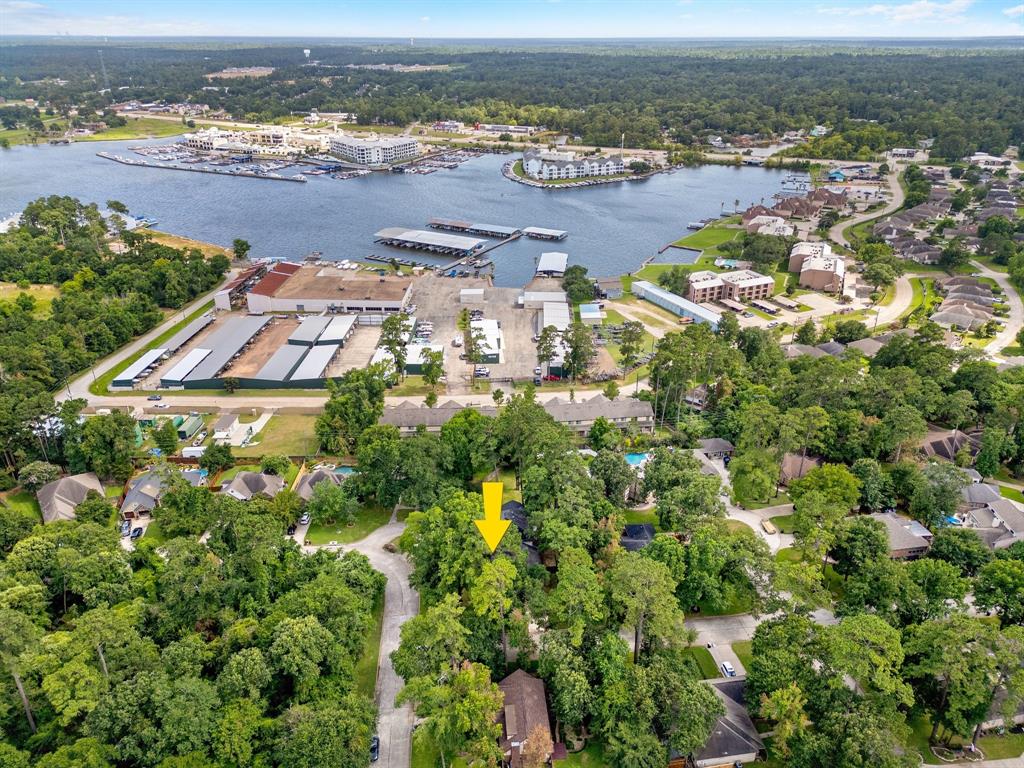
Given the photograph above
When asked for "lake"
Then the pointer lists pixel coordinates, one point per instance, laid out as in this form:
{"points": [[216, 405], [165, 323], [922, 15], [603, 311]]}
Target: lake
{"points": [[612, 227]]}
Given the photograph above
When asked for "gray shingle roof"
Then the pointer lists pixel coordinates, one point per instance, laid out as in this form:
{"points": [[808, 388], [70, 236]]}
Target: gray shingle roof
{"points": [[57, 500]]}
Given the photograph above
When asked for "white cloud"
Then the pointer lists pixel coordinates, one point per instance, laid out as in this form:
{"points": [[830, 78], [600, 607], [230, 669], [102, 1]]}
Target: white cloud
{"points": [[19, 5], [425, 19], [1017, 10], [918, 10]]}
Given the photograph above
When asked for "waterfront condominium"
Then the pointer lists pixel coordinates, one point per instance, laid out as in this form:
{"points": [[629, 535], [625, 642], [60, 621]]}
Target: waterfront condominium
{"points": [[549, 165], [376, 150]]}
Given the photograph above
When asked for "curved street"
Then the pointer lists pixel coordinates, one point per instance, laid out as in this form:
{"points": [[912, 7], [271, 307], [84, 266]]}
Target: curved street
{"points": [[895, 190]]}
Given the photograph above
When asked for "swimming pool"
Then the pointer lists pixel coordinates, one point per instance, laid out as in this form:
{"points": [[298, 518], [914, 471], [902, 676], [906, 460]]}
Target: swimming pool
{"points": [[344, 470], [636, 459]]}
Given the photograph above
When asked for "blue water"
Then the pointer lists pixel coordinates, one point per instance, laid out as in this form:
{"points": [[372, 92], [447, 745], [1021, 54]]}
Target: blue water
{"points": [[344, 470], [636, 459], [612, 228]]}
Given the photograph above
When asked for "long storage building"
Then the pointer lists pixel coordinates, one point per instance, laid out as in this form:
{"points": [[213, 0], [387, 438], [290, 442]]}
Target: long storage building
{"points": [[126, 379], [677, 305], [224, 343]]}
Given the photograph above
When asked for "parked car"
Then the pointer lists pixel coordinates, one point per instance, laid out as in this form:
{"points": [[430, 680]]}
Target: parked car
{"points": [[304, 520], [199, 438], [728, 669], [161, 405], [457, 341], [154, 398], [537, 381], [137, 533], [291, 529], [126, 528], [748, 314], [374, 749], [550, 377], [768, 526], [537, 371]]}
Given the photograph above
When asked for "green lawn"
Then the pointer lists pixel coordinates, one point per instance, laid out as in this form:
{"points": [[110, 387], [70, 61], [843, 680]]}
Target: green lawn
{"points": [[1011, 493], [641, 516], [425, 755], [507, 477], [994, 747], [410, 386], [739, 602], [704, 661], [24, 503], [100, 385], [43, 294], [833, 582], [229, 474], [783, 522], [285, 435], [155, 534], [591, 756], [782, 498], [139, 128], [743, 653], [368, 519], [366, 667], [709, 238]]}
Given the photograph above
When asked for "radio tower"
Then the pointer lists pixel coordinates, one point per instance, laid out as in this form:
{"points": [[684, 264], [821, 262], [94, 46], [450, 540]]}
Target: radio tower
{"points": [[103, 69]]}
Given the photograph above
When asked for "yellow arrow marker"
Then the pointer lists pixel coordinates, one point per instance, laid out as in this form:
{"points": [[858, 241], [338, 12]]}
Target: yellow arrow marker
{"points": [[492, 527]]}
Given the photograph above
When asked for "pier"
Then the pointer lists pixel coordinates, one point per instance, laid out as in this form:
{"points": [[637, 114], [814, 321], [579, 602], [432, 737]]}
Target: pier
{"points": [[540, 233], [193, 169], [484, 230]]}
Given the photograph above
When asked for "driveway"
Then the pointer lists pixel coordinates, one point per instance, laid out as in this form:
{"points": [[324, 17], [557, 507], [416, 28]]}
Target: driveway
{"points": [[1015, 321], [401, 603]]}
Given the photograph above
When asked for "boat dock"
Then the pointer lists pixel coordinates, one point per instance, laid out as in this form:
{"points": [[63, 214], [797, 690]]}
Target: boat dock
{"points": [[193, 169], [540, 233], [484, 230]]}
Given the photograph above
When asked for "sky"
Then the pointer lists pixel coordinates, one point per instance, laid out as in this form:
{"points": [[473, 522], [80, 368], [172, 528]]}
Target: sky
{"points": [[425, 19]]}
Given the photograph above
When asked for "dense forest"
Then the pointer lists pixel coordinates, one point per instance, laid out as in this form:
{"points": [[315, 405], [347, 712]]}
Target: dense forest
{"points": [[108, 295], [966, 99]]}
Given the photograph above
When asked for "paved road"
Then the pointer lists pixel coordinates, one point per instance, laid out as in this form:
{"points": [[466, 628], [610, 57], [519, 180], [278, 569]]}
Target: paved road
{"points": [[80, 386], [1008, 336], [401, 603], [895, 190]]}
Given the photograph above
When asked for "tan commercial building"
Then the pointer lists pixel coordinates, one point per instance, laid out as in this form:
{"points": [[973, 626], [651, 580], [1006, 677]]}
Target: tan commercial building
{"points": [[739, 285], [301, 288], [819, 268]]}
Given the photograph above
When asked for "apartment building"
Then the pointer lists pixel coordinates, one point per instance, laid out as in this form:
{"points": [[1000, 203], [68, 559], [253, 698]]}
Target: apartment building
{"points": [[378, 150], [738, 285]]}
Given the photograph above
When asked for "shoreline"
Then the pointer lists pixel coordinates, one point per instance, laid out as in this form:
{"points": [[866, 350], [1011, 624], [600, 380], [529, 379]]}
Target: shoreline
{"points": [[507, 170]]}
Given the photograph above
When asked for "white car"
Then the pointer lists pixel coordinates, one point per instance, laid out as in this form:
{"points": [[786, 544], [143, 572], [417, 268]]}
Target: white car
{"points": [[457, 341], [728, 669], [304, 520]]}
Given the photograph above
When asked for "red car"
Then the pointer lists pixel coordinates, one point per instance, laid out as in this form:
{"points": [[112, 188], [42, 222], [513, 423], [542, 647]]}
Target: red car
{"points": [[549, 377]]}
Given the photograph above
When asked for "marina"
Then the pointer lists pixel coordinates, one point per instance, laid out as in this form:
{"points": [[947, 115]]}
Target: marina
{"points": [[614, 227], [253, 174]]}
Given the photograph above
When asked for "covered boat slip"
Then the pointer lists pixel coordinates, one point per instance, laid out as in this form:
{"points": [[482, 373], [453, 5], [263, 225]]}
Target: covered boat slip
{"points": [[294, 366], [176, 376], [182, 337], [224, 344], [540, 233], [309, 330], [485, 230], [126, 379], [435, 242]]}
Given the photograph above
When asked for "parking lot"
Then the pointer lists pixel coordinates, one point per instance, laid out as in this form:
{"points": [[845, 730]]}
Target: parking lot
{"points": [[437, 301]]}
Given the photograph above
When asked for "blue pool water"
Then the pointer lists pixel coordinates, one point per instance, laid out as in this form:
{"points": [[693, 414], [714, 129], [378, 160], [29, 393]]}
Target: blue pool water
{"points": [[636, 459], [344, 470]]}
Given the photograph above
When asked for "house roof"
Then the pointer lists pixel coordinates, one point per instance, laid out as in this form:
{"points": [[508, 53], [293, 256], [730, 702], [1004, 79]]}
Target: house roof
{"points": [[716, 445], [946, 443], [636, 536], [516, 512], [57, 500], [245, 485], [525, 708], [903, 533], [734, 734], [980, 493], [794, 467], [144, 493], [310, 480]]}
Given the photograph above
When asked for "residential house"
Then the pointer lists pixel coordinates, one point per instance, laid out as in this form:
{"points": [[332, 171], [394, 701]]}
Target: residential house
{"points": [[143, 495], [908, 539], [525, 711], [998, 522], [304, 488], [636, 536], [57, 500], [794, 467], [246, 485], [947, 443], [716, 447], [733, 740]]}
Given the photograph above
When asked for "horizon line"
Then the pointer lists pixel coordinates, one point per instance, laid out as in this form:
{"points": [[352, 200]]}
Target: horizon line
{"points": [[58, 36]]}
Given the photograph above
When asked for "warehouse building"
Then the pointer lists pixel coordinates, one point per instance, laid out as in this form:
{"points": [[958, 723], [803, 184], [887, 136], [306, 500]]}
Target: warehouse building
{"points": [[677, 305], [492, 341], [338, 331], [309, 330], [221, 347], [537, 299], [329, 289], [554, 313]]}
